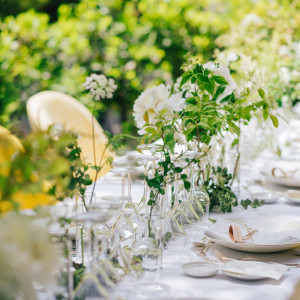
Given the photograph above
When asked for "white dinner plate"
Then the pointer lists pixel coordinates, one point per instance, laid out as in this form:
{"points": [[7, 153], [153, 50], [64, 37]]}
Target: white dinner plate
{"points": [[284, 181], [293, 196], [273, 225], [293, 201], [254, 248]]}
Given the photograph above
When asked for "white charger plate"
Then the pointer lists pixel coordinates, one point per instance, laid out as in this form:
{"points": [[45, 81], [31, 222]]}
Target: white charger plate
{"points": [[254, 248], [292, 196], [284, 181], [275, 224]]}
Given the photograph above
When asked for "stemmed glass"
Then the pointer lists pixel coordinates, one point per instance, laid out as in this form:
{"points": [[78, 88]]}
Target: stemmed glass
{"points": [[130, 166], [122, 172], [89, 285], [107, 208]]}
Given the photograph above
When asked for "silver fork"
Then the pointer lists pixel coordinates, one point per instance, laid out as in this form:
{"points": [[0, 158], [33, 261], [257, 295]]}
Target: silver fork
{"points": [[221, 257]]}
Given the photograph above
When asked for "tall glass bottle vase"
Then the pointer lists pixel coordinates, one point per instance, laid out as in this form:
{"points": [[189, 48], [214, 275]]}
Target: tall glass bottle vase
{"points": [[151, 250], [152, 244]]}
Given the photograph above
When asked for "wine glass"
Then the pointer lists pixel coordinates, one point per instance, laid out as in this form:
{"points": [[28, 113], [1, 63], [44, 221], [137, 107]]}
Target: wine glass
{"points": [[122, 172], [106, 208], [130, 166]]}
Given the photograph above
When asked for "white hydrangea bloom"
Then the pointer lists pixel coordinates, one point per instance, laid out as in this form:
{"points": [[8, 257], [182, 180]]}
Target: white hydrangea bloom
{"points": [[100, 87], [152, 101]]}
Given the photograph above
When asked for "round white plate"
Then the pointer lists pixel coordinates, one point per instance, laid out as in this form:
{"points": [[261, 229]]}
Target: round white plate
{"points": [[242, 276], [293, 201], [199, 269], [285, 181], [255, 248], [269, 224], [269, 198], [293, 196]]}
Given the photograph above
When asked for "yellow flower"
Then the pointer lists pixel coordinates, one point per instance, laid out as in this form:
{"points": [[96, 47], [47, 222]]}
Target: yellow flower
{"points": [[9, 144], [5, 206], [31, 201]]}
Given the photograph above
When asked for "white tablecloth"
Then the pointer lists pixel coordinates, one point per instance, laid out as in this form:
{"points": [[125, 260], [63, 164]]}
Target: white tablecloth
{"points": [[220, 286]]}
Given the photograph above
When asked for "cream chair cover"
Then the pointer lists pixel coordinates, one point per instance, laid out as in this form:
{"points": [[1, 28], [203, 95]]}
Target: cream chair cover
{"points": [[50, 108]]}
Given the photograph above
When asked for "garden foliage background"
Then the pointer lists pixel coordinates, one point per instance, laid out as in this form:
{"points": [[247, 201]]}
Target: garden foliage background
{"points": [[138, 42]]}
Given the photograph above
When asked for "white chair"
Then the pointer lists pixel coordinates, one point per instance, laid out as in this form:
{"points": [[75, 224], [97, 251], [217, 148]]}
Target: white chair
{"points": [[50, 108]]}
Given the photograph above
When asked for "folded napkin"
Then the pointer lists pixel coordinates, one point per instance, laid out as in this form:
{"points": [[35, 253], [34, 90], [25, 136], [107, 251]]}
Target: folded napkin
{"points": [[220, 231], [255, 268]]}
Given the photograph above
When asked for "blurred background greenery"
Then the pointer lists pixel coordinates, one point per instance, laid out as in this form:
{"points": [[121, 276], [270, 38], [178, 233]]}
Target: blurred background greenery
{"points": [[54, 45]]}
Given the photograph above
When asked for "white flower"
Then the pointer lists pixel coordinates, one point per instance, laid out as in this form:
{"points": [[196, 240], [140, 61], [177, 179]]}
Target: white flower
{"points": [[100, 87], [251, 19], [223, 71], [284, 50], [152, 101], [180, 138], [26, 256], [285, 75]]}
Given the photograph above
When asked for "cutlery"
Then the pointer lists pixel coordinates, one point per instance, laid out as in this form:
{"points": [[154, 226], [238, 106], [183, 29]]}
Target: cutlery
{"points": [[221, 257]]}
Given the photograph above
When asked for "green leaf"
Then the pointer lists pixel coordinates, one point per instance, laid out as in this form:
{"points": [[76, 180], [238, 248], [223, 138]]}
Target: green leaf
{"points": [[261, 93], [235, 142], [219, 91], [266, 114], [274, 120], [187, 185], [177, 170], [202, 124], [183, 176], [209, 87], [97, 168], [151, 130], [186, 77], [203, 78], [191, 100], [220, 79], [207, 72]]}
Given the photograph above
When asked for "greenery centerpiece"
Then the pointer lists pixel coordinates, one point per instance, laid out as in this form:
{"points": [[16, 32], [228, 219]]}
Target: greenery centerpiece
{"points": [[196, 114]]}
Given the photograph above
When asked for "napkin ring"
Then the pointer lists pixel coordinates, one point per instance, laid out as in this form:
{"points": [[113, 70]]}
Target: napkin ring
{"points": [[235, 233], [279, 173]]}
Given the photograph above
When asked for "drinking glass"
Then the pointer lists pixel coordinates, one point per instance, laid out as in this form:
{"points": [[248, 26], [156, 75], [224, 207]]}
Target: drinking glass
{"points": [[89, 286], [123, 172], [150, 248]]}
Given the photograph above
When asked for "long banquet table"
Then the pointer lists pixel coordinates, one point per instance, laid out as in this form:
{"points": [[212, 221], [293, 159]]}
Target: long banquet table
{"points": [[220, 286]]}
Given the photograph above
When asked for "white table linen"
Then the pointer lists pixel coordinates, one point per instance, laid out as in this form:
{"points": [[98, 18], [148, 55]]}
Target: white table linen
{"points": [[220, 286]]}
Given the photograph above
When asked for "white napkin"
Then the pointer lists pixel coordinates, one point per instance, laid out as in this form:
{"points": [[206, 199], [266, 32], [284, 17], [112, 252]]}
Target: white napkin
{"points": [[220, 231], [255, 268]]}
